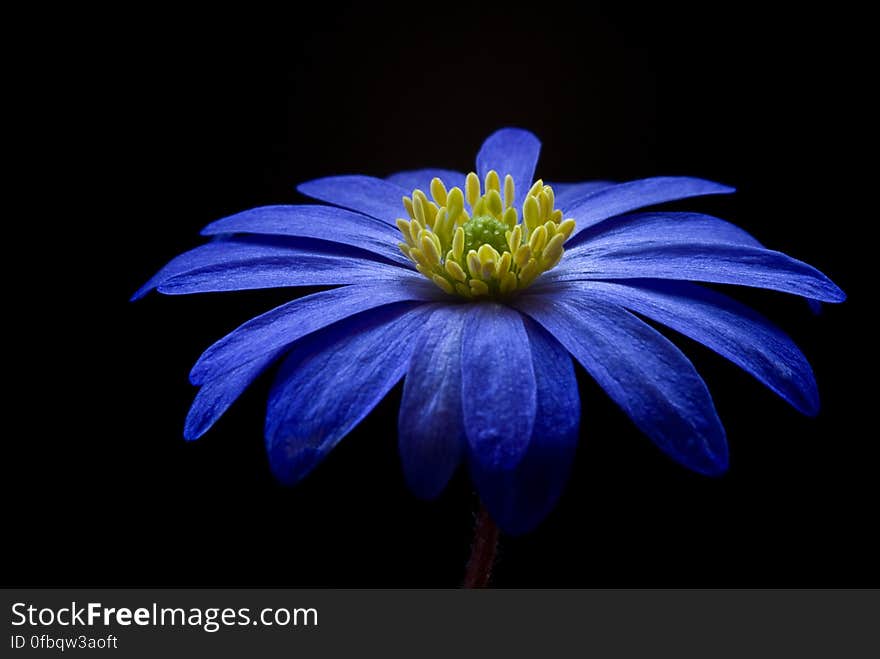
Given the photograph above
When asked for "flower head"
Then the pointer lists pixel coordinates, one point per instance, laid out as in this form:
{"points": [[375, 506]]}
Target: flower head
{"points": [[498, 282]]}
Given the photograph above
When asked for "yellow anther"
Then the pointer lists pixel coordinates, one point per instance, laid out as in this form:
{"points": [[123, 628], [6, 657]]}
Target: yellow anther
{"points": [[455, 203], [403, 247], [522, 255], [419, 208], [479, 287], [473, 263], [455, 271], [472, 185], [443, 226], [415, 229], [492, 181], [556, 216], [493, 203], [438, 191], [488, 253], [533, 191], [531, 214], [508, 283], [514, 238], [548, 191], [538, 239], [552, 252], [408, 205], [403, 225], [429, 249], [529, 272], [488, 258], [458, 244], [416, 255], [419, 211], [503, 265], [480, 207], [509, 189], [510, 217], [431, 213], [443, 283], [546, 205], [566, 228], [463, 289], [418, 194]]}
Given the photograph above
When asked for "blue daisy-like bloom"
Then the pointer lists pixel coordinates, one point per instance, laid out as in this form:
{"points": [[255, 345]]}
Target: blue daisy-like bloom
{"points": [[478, 299]]}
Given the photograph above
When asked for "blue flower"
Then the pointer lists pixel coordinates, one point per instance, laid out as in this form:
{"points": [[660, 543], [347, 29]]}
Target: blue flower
{"points": [[478, 300]]}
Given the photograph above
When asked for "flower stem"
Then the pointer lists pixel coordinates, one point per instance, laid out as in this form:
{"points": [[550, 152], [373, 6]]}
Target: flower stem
{"points": [[484, 551]]}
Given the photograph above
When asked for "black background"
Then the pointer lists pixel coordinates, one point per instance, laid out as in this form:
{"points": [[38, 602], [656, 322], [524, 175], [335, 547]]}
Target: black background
{"points": [[162, 123]]}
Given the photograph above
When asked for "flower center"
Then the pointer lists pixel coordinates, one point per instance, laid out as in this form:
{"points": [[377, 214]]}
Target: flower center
{"points": [[485, 230], [486, 252]]}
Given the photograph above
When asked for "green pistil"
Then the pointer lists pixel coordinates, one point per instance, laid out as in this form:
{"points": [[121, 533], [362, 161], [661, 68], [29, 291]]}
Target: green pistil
{"points": [[485, 230]]}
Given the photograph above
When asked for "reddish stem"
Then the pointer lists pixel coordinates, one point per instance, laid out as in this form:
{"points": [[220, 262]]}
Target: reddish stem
{"points": [[483, 552]]}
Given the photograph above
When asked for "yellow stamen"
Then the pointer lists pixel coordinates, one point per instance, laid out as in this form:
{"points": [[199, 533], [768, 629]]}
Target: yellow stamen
{"points": [[531, 214], [438, 191], [458, 244], [403, 225], [419, 203], [492, 181], [493, 251], [443, 283], [546, 204], [509, 188], [566, 228], [508, 283], [533, 191], [479, 287], [473, 263], [455, 271], [408, 205], [538, 239], [523, 254], [472, 185], [429, 249], [553, 251], [455, 203], [510, 217], [493, 202]]}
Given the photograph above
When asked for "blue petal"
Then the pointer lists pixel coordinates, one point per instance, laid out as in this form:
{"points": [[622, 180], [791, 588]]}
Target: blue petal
{"points": [[732, 330], [497, 385], [278, 328], [330, 382], [519, 499], [365, 194], [321, 222], [625, 197], [568, 194], [242, 263], [631, 255], [643, 372], [430, 425], [510, 151], [216, 395], [421, 179], [659, 228]]}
